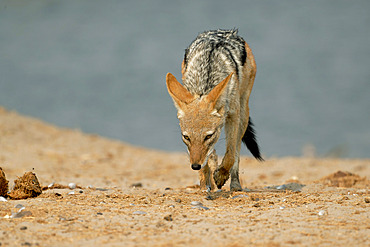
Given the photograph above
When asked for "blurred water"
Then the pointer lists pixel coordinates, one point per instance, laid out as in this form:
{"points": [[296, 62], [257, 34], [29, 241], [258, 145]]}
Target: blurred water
{"points": [[100, 66]]}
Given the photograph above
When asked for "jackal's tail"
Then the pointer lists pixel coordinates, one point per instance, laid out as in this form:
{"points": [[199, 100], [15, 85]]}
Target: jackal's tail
{"points": [[250, 141]]}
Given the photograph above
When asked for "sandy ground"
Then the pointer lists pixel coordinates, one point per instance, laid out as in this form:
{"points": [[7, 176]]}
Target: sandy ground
{"points": [[165, 208]]}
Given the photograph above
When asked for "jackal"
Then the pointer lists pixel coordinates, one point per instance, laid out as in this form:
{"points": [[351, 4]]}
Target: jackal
{"points": [[218, 73]]}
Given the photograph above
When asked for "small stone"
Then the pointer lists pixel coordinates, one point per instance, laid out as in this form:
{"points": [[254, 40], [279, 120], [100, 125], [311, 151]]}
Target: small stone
{"points": [[178, 200], [21, 209], [238, 196], [23, 228], [168, 217], [99, 213], [72, 186], [282, 207], [81, 191], [21, 214], [71, 193], [2, 199], [168, 188], [137, 185], [281, 187], [196, 203], [367, 199], [50, 185], [171, 206], [139, 212], [201, 207], [131, 204], [101, 189], [322, 212]]}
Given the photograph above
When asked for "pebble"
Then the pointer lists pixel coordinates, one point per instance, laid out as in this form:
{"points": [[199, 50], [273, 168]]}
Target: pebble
{"points": [[322, 212], [23, 228], [196, 203], [201, 207], [367, 199], [239, 196], [131, 204], [20, 214], [71, 193], [101, 189], [72, 186], [2, 199], [296, 187], [168, 217], [137, 185], [139, 213], [50, 185], [282, 207]]}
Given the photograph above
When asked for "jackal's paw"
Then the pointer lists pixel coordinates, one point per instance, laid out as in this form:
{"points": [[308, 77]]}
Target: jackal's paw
{"points": [[235, 186], [221, 175]]}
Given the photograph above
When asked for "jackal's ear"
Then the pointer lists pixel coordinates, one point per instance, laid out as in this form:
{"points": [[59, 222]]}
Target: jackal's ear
{"points": [[215, 95], [177, 91]]}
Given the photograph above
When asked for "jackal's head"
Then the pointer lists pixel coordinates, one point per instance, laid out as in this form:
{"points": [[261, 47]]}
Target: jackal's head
{"points": [[201, 118]]}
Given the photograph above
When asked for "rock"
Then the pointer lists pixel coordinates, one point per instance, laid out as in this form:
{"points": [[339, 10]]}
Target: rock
{"points": [[139, 213], [322, 212], [168, 217], [196, 203], [201, 207], [20, 214], [72, 186], [2, 199], [238, 196], [296, 187], [101, 189], [137, 185]]}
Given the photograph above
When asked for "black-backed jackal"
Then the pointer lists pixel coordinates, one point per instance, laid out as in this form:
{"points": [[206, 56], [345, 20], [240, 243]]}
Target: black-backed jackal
{"points": [[218, 73]]}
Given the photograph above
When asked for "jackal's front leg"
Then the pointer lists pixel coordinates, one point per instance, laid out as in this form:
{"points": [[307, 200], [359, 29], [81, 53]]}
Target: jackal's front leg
{"points": [[205, 174], [222, 173]]}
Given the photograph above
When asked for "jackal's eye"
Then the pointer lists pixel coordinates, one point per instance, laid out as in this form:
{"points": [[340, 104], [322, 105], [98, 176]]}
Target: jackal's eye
{"points": [[187, 138], [208, 137]]}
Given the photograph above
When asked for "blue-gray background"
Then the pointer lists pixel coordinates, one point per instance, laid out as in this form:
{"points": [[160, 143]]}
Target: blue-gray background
{"points": [[100, 66]]}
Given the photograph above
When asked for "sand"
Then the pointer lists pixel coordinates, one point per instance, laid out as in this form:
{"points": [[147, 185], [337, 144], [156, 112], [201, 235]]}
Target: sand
{"points": [[132, 196]]}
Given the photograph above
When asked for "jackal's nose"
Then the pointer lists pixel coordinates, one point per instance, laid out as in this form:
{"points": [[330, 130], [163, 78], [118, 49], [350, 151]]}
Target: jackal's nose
{"points": [[196, 166]]}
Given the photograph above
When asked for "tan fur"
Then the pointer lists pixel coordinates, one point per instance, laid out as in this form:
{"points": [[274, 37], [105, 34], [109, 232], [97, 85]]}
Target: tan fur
{"points": [[203, 116]]}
